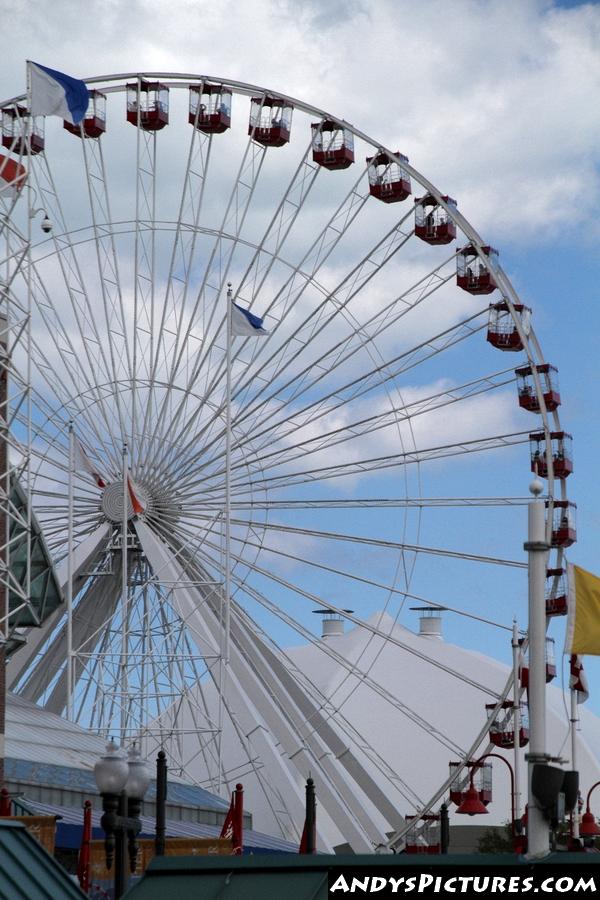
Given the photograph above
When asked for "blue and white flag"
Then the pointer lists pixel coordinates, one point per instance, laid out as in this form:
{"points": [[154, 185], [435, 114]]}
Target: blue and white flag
{"points": [[245, 324], [56, 94]]}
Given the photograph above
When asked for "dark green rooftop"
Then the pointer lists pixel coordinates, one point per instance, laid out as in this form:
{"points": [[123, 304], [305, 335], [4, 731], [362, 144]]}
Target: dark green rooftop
{"points": [[45, 593], [305, 877], [28, 872]]}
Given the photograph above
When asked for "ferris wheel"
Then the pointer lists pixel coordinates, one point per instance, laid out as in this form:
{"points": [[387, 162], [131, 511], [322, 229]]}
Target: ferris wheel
{"points": [[201, 494]]}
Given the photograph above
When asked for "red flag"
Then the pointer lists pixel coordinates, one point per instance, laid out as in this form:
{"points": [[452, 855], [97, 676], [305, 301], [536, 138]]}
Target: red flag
{"points": [[578, 681], [233, 825], [138, 507], [12, 177], [83, 863], [84, 464], [227, 829]]}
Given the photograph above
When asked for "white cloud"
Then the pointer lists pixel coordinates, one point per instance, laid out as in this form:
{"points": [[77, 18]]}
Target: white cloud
{"points": [[495, 102]]}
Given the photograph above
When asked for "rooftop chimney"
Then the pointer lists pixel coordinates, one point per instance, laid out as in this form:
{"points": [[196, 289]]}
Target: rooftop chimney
{"points": [[430, 621], [332, 623]]}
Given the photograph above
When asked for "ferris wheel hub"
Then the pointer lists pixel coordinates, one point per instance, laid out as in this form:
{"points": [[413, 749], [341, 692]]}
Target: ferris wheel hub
{"points": [[112, 501]]}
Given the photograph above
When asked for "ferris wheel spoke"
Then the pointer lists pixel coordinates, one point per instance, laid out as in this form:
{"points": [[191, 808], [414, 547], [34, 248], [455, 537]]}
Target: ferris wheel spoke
{"points": [[364, 466], [270, 668], [270, 246], [70, 362], [247, 691], [340, 297], [358, 387], [373, 629], [370, 503], [75, 285], [384, 544], [360, 428], [312, 261], [90, 619], [184, 250], [87, 426], [115, 321], [351, 668], [316, 255], [353, 576], [319, 320], [365, 377], [280, 226], [82, 409], [380, 375], [170, 345], [322, 316], [205, 308]]}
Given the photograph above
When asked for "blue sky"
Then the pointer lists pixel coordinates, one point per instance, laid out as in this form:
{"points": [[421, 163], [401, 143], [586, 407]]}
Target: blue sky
{"points": [[496, 103]]}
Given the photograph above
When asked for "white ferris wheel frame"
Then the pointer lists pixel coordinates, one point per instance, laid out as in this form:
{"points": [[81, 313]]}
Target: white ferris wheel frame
{"points": [[144, 279]]}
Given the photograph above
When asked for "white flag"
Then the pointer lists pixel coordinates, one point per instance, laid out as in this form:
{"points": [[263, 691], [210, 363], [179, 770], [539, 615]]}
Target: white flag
{"points": [[84, 464]]}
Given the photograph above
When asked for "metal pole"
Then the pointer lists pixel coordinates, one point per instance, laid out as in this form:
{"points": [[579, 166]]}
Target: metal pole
{"points": [[538, 833], [161, 801], [121, 868], [70, 578], [228, 478], [574, 722], [124, 599], [226, 616], [516, 650], [444, 829], [4, 534], [311, 817], [238, 819]]}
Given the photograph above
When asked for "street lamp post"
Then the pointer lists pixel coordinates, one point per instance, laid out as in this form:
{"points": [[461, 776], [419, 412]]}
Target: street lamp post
{"points": [[589, 827], [472, 806], [122, 784], [538, 834]]}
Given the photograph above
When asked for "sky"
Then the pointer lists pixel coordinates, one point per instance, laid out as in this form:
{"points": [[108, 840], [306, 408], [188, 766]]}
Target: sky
{"points": [[495, 102]]}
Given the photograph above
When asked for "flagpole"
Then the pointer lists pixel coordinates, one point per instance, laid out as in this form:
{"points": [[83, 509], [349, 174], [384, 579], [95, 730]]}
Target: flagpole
{"points": [[70, 577], [226, 612], [228, 479], [574, 723], [124, 599]]}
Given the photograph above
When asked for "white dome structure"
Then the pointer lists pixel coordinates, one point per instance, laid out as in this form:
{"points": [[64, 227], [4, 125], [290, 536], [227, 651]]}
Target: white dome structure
{"points": [[427, 680]]}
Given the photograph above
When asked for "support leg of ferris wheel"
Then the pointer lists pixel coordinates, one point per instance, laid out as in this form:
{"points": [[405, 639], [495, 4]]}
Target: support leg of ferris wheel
{"points": [[538, 834], [516, 649], [4, 593]]}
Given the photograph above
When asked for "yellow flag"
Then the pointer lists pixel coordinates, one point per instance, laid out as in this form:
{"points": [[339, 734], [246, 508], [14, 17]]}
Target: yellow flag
{"points": [[583, 624]]}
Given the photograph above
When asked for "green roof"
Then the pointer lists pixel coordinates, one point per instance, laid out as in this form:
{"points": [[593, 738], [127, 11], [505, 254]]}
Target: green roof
{"points": [[45, 593], [298, 877], [28, 870]]}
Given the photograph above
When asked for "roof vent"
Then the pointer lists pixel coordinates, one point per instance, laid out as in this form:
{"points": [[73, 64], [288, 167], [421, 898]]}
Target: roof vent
{"points": [[430, 621], [332, 623]]}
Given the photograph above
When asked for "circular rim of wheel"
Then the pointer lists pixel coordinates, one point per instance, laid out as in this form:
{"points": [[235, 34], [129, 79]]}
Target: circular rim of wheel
{"points": [[549, 421]]}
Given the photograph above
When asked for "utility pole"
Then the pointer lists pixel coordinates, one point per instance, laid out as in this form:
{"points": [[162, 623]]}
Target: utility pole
{"points": [[538, 833]]}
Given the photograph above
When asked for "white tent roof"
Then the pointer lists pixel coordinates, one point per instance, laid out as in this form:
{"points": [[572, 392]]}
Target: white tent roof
{"points": [[441, 693]]}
